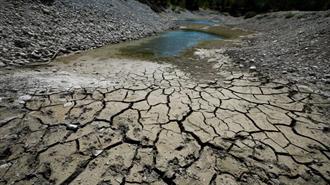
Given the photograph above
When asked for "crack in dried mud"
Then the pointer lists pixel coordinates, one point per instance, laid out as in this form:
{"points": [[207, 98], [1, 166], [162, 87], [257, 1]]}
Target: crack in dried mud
{"points": [[162, 127]]}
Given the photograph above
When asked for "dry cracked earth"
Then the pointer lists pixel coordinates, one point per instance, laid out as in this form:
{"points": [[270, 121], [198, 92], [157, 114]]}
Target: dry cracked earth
{"points": [[159, 125]]}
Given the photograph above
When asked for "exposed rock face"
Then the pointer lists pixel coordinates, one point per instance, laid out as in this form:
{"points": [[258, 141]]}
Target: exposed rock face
{"points": [[33, 31]]}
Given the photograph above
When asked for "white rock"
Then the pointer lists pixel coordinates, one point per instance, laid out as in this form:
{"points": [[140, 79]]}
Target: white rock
{"points": [[24, 98], [72, 126], [97, 152], [6, 165], [253, 67], [2, 64], [68, 104]]}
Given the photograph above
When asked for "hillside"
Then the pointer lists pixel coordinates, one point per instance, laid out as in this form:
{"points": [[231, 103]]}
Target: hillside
{"points": [[32, 31]]}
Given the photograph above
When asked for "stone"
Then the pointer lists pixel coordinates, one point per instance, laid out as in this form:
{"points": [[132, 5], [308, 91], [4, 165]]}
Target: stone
{"points": [[253, 68], [327, 81], [45, 11], [21, 61], [72, 127], [2, 64], [35, 55], [275, 182], [68, 104], [327, 76], [96, 152], [6, 165], [21, 43], [24, 98]]}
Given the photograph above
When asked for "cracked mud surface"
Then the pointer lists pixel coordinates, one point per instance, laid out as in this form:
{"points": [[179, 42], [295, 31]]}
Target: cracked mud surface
{"points": [[155, 124]]}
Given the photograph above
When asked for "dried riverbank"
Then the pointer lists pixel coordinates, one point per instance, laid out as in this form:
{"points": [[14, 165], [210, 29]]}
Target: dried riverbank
{"points": [[294, 46]]}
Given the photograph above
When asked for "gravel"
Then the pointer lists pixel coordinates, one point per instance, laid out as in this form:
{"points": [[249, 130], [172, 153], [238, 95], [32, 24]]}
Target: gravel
{"points": [[33, 32], [295, 49]]}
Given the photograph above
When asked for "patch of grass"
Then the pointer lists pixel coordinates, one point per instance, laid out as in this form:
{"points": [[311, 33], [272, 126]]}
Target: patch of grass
{"points": [[289, 15]]}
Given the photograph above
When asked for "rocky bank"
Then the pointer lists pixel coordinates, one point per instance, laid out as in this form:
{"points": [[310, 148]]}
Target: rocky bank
{"points": [[31, 31], [294, 46]]}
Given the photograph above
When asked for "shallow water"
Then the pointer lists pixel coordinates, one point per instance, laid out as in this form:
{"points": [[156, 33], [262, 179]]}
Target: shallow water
{"points": [[198, 21], [171, 43], [168, 44]]}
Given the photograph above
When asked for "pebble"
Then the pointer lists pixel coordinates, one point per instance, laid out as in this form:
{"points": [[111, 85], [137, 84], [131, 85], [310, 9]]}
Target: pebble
{"points": [[6, 165], [68, 104], [275, 182], [46, 11], [72, 127], [96, 152], [24, 98], [253, 68], [2, 64]]}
